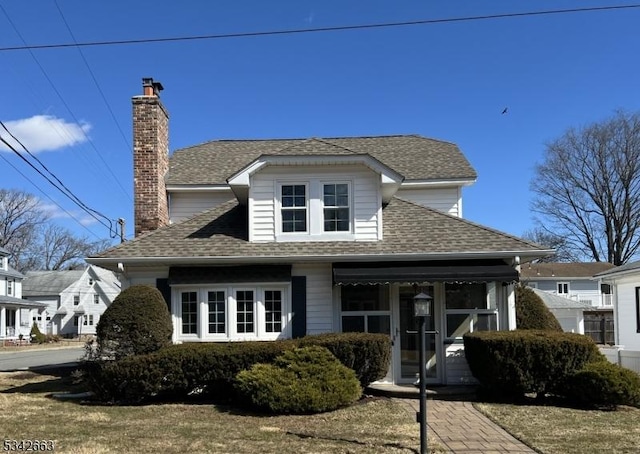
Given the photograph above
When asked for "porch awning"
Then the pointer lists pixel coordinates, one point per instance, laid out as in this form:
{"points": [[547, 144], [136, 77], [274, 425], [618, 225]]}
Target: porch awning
{"points": [[417, 273], [229, 274]]}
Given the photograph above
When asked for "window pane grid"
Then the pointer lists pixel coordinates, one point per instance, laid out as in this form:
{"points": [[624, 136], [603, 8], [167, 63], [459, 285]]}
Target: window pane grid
{"points": [[244, 311], [273, 311], [336, 207], [217, 312], [189, 313], [294, 208]]}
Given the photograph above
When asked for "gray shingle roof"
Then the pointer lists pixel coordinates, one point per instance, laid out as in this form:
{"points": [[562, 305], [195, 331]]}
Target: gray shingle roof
{"points": [[559, 302], [564, 270], [627, 267], [409, 229], [41, 283], [413, 156]]}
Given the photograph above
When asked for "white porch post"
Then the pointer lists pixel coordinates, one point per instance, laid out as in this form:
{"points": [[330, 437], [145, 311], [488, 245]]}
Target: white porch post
{"points": [[511, 306], [3, 321]]}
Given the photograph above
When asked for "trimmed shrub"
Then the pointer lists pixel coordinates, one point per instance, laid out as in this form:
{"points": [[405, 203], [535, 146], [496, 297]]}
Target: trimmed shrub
{"points": [[532, 313], [513, 363], [367, 354], [603, 384], [37, 336], [304, 380], [137, 322], [178, 371]]}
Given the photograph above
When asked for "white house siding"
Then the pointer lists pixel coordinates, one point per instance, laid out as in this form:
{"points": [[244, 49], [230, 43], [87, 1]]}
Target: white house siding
{"points": [[582, 290], [320, 317], [183, 205], [626, 318], [457, 370], [571, 320], [365, 187], [447, 200]]}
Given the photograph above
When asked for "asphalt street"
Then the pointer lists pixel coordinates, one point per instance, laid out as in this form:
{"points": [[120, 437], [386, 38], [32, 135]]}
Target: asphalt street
{"points": [[24, 360]]}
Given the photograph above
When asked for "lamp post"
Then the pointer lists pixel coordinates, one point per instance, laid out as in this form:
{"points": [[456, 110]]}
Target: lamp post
{"points": [[422, 310]]}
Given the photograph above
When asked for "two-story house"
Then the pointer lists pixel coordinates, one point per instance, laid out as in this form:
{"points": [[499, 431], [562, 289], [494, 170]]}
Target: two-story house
{"points": [[591, 312], [15, 313], [272, 239], [74, 300]]}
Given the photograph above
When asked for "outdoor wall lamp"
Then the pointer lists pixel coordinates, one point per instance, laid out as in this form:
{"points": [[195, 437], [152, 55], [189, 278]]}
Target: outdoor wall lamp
{"points": [[422, 310]]}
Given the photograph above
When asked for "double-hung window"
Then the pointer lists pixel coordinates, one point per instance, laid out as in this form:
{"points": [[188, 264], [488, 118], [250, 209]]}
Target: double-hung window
{"points": [[293, 199], [217, 308], [189, 306], [335, 197]]}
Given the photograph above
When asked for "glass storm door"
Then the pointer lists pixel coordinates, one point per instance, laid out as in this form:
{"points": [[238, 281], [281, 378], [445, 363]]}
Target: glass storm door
{"points": [[409, 341]]}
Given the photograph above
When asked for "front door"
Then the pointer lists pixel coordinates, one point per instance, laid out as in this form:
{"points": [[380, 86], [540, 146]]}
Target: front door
{"points": [[407, 349]]}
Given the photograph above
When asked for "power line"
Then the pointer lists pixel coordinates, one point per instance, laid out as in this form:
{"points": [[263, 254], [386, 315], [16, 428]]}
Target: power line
{"points": [[88, 139], [95, 81], [48, 197], [62, 188], [318, 30]]}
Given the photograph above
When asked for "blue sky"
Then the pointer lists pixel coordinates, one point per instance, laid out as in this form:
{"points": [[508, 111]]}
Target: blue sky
{"points": [[449, 81]]}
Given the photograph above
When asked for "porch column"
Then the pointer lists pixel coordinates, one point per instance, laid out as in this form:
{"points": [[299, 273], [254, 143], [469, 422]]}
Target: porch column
{"points": [[3, 321]]}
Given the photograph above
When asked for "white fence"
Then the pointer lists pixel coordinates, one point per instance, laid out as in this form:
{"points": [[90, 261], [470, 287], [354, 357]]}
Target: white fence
{"points": [[626, 358]]}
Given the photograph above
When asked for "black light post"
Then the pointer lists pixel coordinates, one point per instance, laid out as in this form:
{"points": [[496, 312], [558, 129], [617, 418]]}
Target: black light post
{"points": [[422, 310]]}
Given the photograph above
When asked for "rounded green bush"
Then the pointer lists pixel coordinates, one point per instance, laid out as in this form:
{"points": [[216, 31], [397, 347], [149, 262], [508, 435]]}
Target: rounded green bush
{"points": [[136, 322], [603, 384], [303, 380], [532, 313]]}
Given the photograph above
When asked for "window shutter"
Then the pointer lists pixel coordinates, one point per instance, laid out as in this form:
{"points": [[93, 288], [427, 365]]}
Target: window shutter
{"points": [[299, 306]]}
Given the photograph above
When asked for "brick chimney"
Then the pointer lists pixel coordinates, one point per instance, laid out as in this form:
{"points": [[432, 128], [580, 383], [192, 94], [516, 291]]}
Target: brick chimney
{"points": [[150, 158]]}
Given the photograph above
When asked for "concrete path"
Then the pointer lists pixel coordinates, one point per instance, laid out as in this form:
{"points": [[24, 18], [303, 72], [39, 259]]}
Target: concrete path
{"points": [[460, 428]]}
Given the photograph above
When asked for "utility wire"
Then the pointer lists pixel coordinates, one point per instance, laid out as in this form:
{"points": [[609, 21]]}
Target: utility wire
{"points": [[88, 139], [318, 30], [93, 213], [95, 81], [48, 196]]}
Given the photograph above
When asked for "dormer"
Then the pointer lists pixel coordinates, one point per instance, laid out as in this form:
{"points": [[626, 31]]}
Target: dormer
{"points": [[315, 197]]}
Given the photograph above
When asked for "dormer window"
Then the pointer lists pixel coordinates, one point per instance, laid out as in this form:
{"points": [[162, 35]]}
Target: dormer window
{"points": [[294, 208], [336, 207]]}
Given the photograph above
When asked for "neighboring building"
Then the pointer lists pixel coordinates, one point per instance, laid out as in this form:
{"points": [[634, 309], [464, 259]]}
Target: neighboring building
{"points": [[569, 313], [15, 313], [74, 299], [625, 281], [575, 281], [272, 239]]}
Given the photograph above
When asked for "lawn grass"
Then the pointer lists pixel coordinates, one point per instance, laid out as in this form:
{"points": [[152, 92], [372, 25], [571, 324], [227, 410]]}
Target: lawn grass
{"points": [[560, 430], [372, 426]]}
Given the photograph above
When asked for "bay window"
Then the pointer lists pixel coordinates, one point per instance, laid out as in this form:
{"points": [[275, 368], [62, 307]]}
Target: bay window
{"points": [[233, 313]]}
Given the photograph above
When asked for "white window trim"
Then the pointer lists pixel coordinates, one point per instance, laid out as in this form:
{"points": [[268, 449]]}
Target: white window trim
{"points": [[487, 310], [315, 211], [567, 283], [259, 315]]}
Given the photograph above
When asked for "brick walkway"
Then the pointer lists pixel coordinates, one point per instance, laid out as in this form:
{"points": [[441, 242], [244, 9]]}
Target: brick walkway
{"points": [[460, 428]]}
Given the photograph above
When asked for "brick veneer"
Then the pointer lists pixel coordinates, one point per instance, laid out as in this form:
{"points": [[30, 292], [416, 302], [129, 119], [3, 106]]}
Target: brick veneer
{"points": [[150, 163]]}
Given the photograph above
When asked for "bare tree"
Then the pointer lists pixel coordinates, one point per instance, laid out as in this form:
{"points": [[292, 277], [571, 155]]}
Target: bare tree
{"points": [[588, 189], [551, 241], [36, 243]]}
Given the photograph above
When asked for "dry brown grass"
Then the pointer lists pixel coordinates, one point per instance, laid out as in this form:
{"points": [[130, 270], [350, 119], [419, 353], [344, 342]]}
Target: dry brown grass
{"points": [[558, 430], [373, 426]]}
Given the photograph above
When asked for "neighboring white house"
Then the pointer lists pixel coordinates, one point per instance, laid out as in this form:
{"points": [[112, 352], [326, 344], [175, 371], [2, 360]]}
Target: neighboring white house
{"points": [[15, 313], [575, 281], [273, 239], [625, 281], [568, 312], [74, 299]]}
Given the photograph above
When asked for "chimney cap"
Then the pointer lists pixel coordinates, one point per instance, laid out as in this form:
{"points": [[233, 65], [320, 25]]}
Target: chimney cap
{"points": [[151, 88]]}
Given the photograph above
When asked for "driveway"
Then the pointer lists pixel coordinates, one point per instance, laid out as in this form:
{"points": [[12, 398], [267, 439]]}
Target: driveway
{"points": [[23, 360]]}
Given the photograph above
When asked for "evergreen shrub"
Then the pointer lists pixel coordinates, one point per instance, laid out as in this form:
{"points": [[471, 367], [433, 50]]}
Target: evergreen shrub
{"points": [[304, 380], [36, 335], [532, 313], [135, 323], [603, 384], [513, 363], [367, 354]]}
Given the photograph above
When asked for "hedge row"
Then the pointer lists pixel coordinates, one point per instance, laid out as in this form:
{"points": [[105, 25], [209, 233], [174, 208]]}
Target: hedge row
{"points": [[210, 369], [514, 363]]}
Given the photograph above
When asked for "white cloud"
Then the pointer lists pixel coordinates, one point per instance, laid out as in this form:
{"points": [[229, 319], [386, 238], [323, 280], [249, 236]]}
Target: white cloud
{"points": [[44, 133]]}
